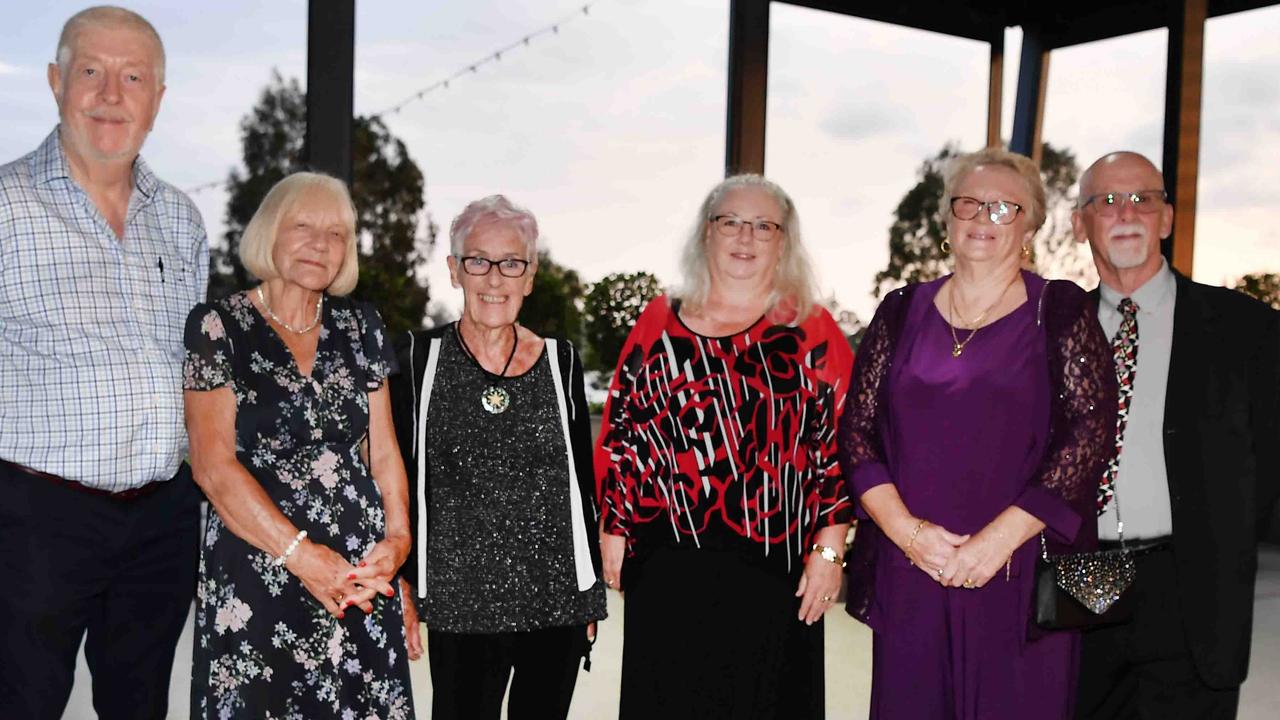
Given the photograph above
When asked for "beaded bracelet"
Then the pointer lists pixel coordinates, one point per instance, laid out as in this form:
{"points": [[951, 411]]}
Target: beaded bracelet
{"points": [[289, 550]]}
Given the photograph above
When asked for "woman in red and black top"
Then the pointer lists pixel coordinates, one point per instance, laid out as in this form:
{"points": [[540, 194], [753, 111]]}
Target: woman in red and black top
{"points": [[723, 510]]}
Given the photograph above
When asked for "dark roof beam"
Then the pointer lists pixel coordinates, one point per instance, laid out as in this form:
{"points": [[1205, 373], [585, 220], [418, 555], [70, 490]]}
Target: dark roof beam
{"points": [[748, 86]]}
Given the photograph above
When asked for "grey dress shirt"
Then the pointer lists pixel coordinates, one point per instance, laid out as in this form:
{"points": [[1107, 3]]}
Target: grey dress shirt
{"points": [[1142, 485]]}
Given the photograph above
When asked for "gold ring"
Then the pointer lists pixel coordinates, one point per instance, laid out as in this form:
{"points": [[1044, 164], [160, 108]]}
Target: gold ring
{"points": [[939, 573], [608, 583], [968, 584], [826, 598]]}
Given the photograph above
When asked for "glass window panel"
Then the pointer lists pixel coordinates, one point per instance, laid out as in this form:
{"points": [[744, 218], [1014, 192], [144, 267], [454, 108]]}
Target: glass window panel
{"points": [[855, 107], [610, 131], [1236, 209]]}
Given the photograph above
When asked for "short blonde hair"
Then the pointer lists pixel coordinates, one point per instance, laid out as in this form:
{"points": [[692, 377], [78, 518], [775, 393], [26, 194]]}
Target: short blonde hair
{"points": [[259, 237], [794, 287], [961, 165], [108, 16]]}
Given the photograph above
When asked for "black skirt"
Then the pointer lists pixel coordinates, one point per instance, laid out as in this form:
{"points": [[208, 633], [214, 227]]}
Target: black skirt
{"points": [[714, 634]]}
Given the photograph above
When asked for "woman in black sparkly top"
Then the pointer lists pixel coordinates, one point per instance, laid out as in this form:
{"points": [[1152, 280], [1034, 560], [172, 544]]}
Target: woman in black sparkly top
{"points": [[496, 436]]}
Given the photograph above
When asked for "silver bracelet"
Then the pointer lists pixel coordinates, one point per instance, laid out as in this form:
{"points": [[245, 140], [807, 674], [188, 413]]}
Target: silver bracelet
{"points": [[289, 550]]}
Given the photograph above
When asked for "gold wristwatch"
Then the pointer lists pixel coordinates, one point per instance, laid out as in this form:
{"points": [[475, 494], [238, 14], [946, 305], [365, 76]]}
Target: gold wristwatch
{"points": [[828, 553]]}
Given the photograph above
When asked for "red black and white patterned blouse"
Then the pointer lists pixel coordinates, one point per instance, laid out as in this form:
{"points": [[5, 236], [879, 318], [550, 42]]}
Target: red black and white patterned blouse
{"points": [[725, 443]]}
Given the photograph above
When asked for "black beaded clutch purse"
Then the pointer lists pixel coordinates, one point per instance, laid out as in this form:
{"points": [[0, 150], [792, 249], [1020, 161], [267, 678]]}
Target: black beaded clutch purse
{"points": [[1084, 590]]}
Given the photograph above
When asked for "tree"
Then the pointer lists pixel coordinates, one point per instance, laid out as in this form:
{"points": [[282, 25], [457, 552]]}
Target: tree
{"points": [[917, 229], [553, 307], [849, 322], [395, 231], [915, 237], [1264, 286], [611, 308]]}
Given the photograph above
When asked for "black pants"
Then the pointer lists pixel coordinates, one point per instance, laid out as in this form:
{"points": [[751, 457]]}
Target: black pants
{"points": [[1143, 669], [712, 634], [124, 571], [470, 672]]}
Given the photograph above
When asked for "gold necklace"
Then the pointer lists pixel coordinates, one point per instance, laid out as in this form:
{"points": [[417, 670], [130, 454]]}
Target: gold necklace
{"points": [[299, 331], [957, 347]]}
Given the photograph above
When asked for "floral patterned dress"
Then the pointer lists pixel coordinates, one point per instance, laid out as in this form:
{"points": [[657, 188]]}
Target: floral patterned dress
{"points": [[264, 647]]}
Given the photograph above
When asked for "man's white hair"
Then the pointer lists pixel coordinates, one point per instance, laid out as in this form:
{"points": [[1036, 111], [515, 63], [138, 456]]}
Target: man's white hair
{"points": [[106, 16]]}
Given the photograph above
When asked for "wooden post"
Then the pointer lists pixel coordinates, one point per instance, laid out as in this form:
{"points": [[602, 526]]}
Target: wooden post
{"points": [[995, 89], [1183, 80], [331, 42], [748, 86]]}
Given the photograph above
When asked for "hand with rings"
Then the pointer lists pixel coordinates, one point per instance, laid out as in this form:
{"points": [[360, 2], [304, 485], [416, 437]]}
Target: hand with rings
{"points": [[612, 550], [929, 546]]}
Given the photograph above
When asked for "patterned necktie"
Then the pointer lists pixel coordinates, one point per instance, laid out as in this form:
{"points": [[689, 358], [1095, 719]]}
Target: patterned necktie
{"points": [[1124, 349]]}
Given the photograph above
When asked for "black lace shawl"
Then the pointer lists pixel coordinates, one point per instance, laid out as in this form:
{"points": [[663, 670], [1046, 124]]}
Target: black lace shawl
{"points": [[1081, 441]]}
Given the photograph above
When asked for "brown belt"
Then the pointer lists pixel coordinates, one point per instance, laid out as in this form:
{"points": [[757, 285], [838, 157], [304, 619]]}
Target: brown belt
{"points": [[123, 495]]}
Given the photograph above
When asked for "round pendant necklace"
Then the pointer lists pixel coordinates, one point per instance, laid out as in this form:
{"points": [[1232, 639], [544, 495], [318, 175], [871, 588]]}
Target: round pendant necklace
{"points": [[495, 398], [298, 331]]}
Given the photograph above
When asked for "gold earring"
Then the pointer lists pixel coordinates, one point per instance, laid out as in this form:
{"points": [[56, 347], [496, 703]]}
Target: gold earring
{"points": [[946, 246], [1026, 251]]}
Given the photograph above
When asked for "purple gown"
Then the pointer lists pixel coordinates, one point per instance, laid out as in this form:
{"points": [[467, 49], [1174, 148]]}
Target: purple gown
{"points": [[962, 439]]}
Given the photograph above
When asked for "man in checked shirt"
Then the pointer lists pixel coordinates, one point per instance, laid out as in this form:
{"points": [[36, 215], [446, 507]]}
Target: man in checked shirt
{"points": [[100, 262]]}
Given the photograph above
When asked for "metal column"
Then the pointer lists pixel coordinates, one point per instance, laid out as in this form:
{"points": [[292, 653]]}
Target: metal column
{"points": [[1028, 108], [331, 37]]}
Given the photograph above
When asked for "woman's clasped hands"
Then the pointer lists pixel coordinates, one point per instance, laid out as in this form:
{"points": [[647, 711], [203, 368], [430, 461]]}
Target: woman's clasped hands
{"points": [[931, 547], [337, 584]]}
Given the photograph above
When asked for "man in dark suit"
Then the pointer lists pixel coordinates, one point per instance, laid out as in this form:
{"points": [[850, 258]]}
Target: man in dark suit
{"points": [[1199, 461]]}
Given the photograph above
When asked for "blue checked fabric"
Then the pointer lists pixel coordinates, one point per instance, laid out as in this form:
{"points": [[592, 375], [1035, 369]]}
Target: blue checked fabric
{"points": [[91, 326]]}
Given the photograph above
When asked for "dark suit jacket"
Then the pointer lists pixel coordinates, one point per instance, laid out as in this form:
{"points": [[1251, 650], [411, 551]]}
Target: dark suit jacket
{"points": [[1222, 452]]}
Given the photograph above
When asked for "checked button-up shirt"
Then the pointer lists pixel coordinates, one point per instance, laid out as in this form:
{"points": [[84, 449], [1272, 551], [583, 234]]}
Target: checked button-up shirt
{"points": [[91, 324]]}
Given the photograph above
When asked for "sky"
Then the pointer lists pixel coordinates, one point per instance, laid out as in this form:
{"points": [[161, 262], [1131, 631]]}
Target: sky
{"points": [[612, 130]]}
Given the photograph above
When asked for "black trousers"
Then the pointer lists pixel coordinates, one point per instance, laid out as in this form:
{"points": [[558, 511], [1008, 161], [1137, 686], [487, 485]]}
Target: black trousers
{"points": [[712, 634], [470, 672], [122, 571], [1143, 669]]}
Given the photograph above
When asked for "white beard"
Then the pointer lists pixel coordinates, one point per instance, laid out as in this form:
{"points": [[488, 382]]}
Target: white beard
{"points": [[1128, 255]]}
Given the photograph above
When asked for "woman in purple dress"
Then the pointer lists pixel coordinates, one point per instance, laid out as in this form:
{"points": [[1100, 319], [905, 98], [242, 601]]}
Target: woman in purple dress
{"points": [[979, 417]]}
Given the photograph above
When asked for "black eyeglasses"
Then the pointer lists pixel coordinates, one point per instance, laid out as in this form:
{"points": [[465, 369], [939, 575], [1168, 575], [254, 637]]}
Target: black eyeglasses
{"points": [[507, 267], [1143, 201], [999, 212], [732, 226]]}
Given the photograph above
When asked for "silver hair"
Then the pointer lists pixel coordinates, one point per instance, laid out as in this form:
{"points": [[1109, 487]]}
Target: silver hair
{"points": [[106, 16], [494, 209], [794, 284]]}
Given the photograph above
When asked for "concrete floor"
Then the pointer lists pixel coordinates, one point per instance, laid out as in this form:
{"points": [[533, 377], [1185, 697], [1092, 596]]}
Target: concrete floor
{"points": [[848, 663]]}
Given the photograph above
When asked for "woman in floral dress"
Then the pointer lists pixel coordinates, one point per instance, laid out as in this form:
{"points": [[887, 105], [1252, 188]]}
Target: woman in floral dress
{"points": [[291, 439]]}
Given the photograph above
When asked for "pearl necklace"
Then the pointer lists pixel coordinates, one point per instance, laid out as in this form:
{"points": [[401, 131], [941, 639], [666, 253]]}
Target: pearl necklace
{"points": [[299, 331]]}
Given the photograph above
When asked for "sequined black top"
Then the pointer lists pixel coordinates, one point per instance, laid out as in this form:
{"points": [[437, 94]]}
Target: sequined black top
{"points": [[499, 546]]}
